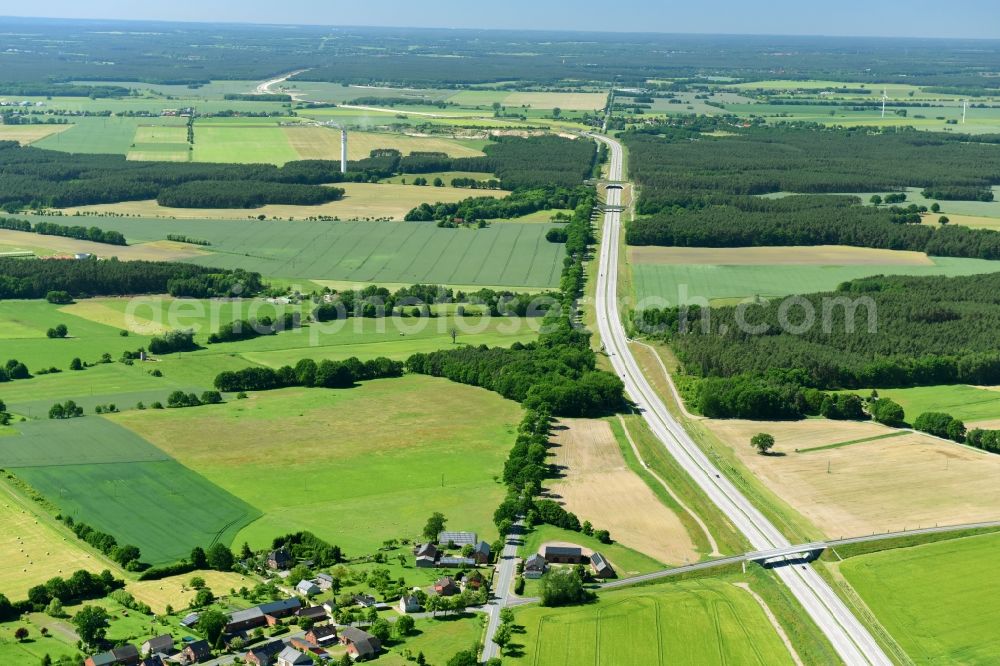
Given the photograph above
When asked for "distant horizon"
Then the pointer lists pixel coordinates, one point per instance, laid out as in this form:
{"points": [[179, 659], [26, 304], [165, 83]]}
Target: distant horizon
{"points": [[783, 18]]}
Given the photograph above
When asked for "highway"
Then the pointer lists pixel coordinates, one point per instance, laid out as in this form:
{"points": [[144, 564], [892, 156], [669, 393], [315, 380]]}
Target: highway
{"points": [[849, 637]]}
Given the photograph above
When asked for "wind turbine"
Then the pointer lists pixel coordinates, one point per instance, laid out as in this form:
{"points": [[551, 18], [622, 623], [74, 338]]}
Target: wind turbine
{"points": [[884, 98], [965, 104]]}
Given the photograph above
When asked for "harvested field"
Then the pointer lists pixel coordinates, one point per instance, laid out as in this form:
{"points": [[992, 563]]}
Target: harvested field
{"points": [[25, 134], [565, 101], [176, 592], [361, 200], [973, 221], [156, 251], [599, 487], [323, 143], [884, 484], [818, 255], [33, 552], [102, 313]]}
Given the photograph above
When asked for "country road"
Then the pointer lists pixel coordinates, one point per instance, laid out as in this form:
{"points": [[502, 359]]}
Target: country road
{"points": [[506, 565], [849, 637]]}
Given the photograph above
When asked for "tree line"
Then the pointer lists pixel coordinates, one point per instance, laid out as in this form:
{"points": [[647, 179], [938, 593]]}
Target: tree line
{"points": [[924, 331], [520, 202], [244, 194], [93, 234], [309, 373], [34, 278], [80, 586]]}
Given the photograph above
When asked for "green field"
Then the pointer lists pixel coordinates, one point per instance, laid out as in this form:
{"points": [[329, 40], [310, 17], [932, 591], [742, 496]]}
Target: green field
{"points": [[964, 402], [937, 600], [102, 135], [716, 282], [693, 622], [263, 141], [115, 481], [514, 255], [355, 466]]}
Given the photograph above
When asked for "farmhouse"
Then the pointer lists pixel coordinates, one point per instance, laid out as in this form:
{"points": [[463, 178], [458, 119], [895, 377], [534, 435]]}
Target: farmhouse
{"points": [[446, 586], [259, 616], [474, 581], [534, 566], [451, 562], [264, 655], [307, 588], [425, 562], [281, 608], [458, 538], [324, 581], [360, 644], [425, 550], [562, 554], [279, 559], [601, 567], [314, 613], [364, 600], [126, 655], [330, 606], [190, 620], [292, 657], [243, 620], [159, 645], [322, 636], [481, 553], [409, 604], [197, 652]]}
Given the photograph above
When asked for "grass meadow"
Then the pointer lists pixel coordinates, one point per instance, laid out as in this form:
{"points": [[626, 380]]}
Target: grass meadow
{"points": [[968, 403], [355, 466], [725, 284], [691, 622], [937, 600]]}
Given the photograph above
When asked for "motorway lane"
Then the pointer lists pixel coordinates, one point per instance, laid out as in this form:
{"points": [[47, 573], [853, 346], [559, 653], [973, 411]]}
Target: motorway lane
{"points": [[850, 638]]}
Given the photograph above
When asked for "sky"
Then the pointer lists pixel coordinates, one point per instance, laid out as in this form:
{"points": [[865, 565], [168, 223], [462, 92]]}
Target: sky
{"points": [[896, 18]]}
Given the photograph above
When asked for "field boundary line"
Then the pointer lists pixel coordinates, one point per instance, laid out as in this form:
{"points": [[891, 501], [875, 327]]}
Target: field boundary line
{"points": [[838, 445], [774, 622], [704, 528]]}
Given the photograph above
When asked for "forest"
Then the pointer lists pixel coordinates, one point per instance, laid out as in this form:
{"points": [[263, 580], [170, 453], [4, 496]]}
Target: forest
{"points": [[33, 177], [809, 220], [35, 278], [704, 191], [678, 166], [914, 331]]}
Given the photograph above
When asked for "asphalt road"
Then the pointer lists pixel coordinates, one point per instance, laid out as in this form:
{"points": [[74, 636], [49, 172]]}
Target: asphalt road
{"points": [[506, 567], [849, 637]]}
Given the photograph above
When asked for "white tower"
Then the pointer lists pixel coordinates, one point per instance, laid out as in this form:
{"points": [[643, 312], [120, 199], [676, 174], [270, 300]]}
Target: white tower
{"points": [[884, 98], [965, 105], [343, 151]]}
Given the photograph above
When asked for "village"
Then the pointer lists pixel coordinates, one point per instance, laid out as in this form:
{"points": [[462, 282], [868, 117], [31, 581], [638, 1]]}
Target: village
{"points": [[322, 618]]}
